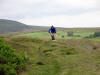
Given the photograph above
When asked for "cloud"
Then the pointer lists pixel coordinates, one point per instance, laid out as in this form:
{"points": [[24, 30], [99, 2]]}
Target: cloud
{"points": [[82, 20], [77, 3], [66, 13]]}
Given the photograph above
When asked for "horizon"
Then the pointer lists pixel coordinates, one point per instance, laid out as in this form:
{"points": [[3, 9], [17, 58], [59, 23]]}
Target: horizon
{"points": [[48, 25], [60, 13]]}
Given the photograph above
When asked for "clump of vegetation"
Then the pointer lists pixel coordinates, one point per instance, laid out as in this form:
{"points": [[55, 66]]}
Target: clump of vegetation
{"points": [[96, 34], [70, 33], [11, 63], [62, 36], [40, 63], [94, 47]]}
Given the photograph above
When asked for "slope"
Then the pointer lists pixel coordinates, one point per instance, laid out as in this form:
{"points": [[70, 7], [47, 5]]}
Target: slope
{"points": [[61, 57], [12, 26]]}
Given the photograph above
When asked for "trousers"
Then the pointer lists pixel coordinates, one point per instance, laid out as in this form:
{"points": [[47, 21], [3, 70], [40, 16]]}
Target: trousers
{"points": [[52, 36]]}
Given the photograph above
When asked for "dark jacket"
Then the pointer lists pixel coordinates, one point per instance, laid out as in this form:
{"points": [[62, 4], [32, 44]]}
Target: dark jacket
{"points": [[52, 30]]}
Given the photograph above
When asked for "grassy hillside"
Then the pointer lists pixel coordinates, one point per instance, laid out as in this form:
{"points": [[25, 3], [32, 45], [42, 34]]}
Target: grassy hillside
{"points": [[61, 57], [76, 34]]}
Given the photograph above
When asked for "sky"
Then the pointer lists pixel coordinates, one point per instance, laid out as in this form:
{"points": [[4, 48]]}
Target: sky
{"points": [[60, 13]]}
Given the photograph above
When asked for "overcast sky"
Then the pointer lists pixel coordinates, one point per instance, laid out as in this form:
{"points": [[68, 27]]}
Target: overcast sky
{"points": [[61, 13]]}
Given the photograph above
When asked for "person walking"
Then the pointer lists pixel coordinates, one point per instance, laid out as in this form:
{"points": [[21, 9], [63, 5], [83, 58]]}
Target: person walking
{"points": [[52, 32]]}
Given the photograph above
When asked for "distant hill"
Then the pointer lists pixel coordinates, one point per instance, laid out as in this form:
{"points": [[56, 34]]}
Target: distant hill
{"points": [[7, 26], [12, 26]]}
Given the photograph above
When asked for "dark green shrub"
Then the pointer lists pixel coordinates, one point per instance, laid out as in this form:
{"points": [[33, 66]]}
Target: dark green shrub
{"points": [[90, 36], [70, 33], [62, 36], [10, 62], [96, 34]]}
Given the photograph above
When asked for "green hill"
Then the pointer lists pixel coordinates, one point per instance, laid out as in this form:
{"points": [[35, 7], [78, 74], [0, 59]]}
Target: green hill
{"points": [[7, 26], [12, 26], [61, 57]]}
